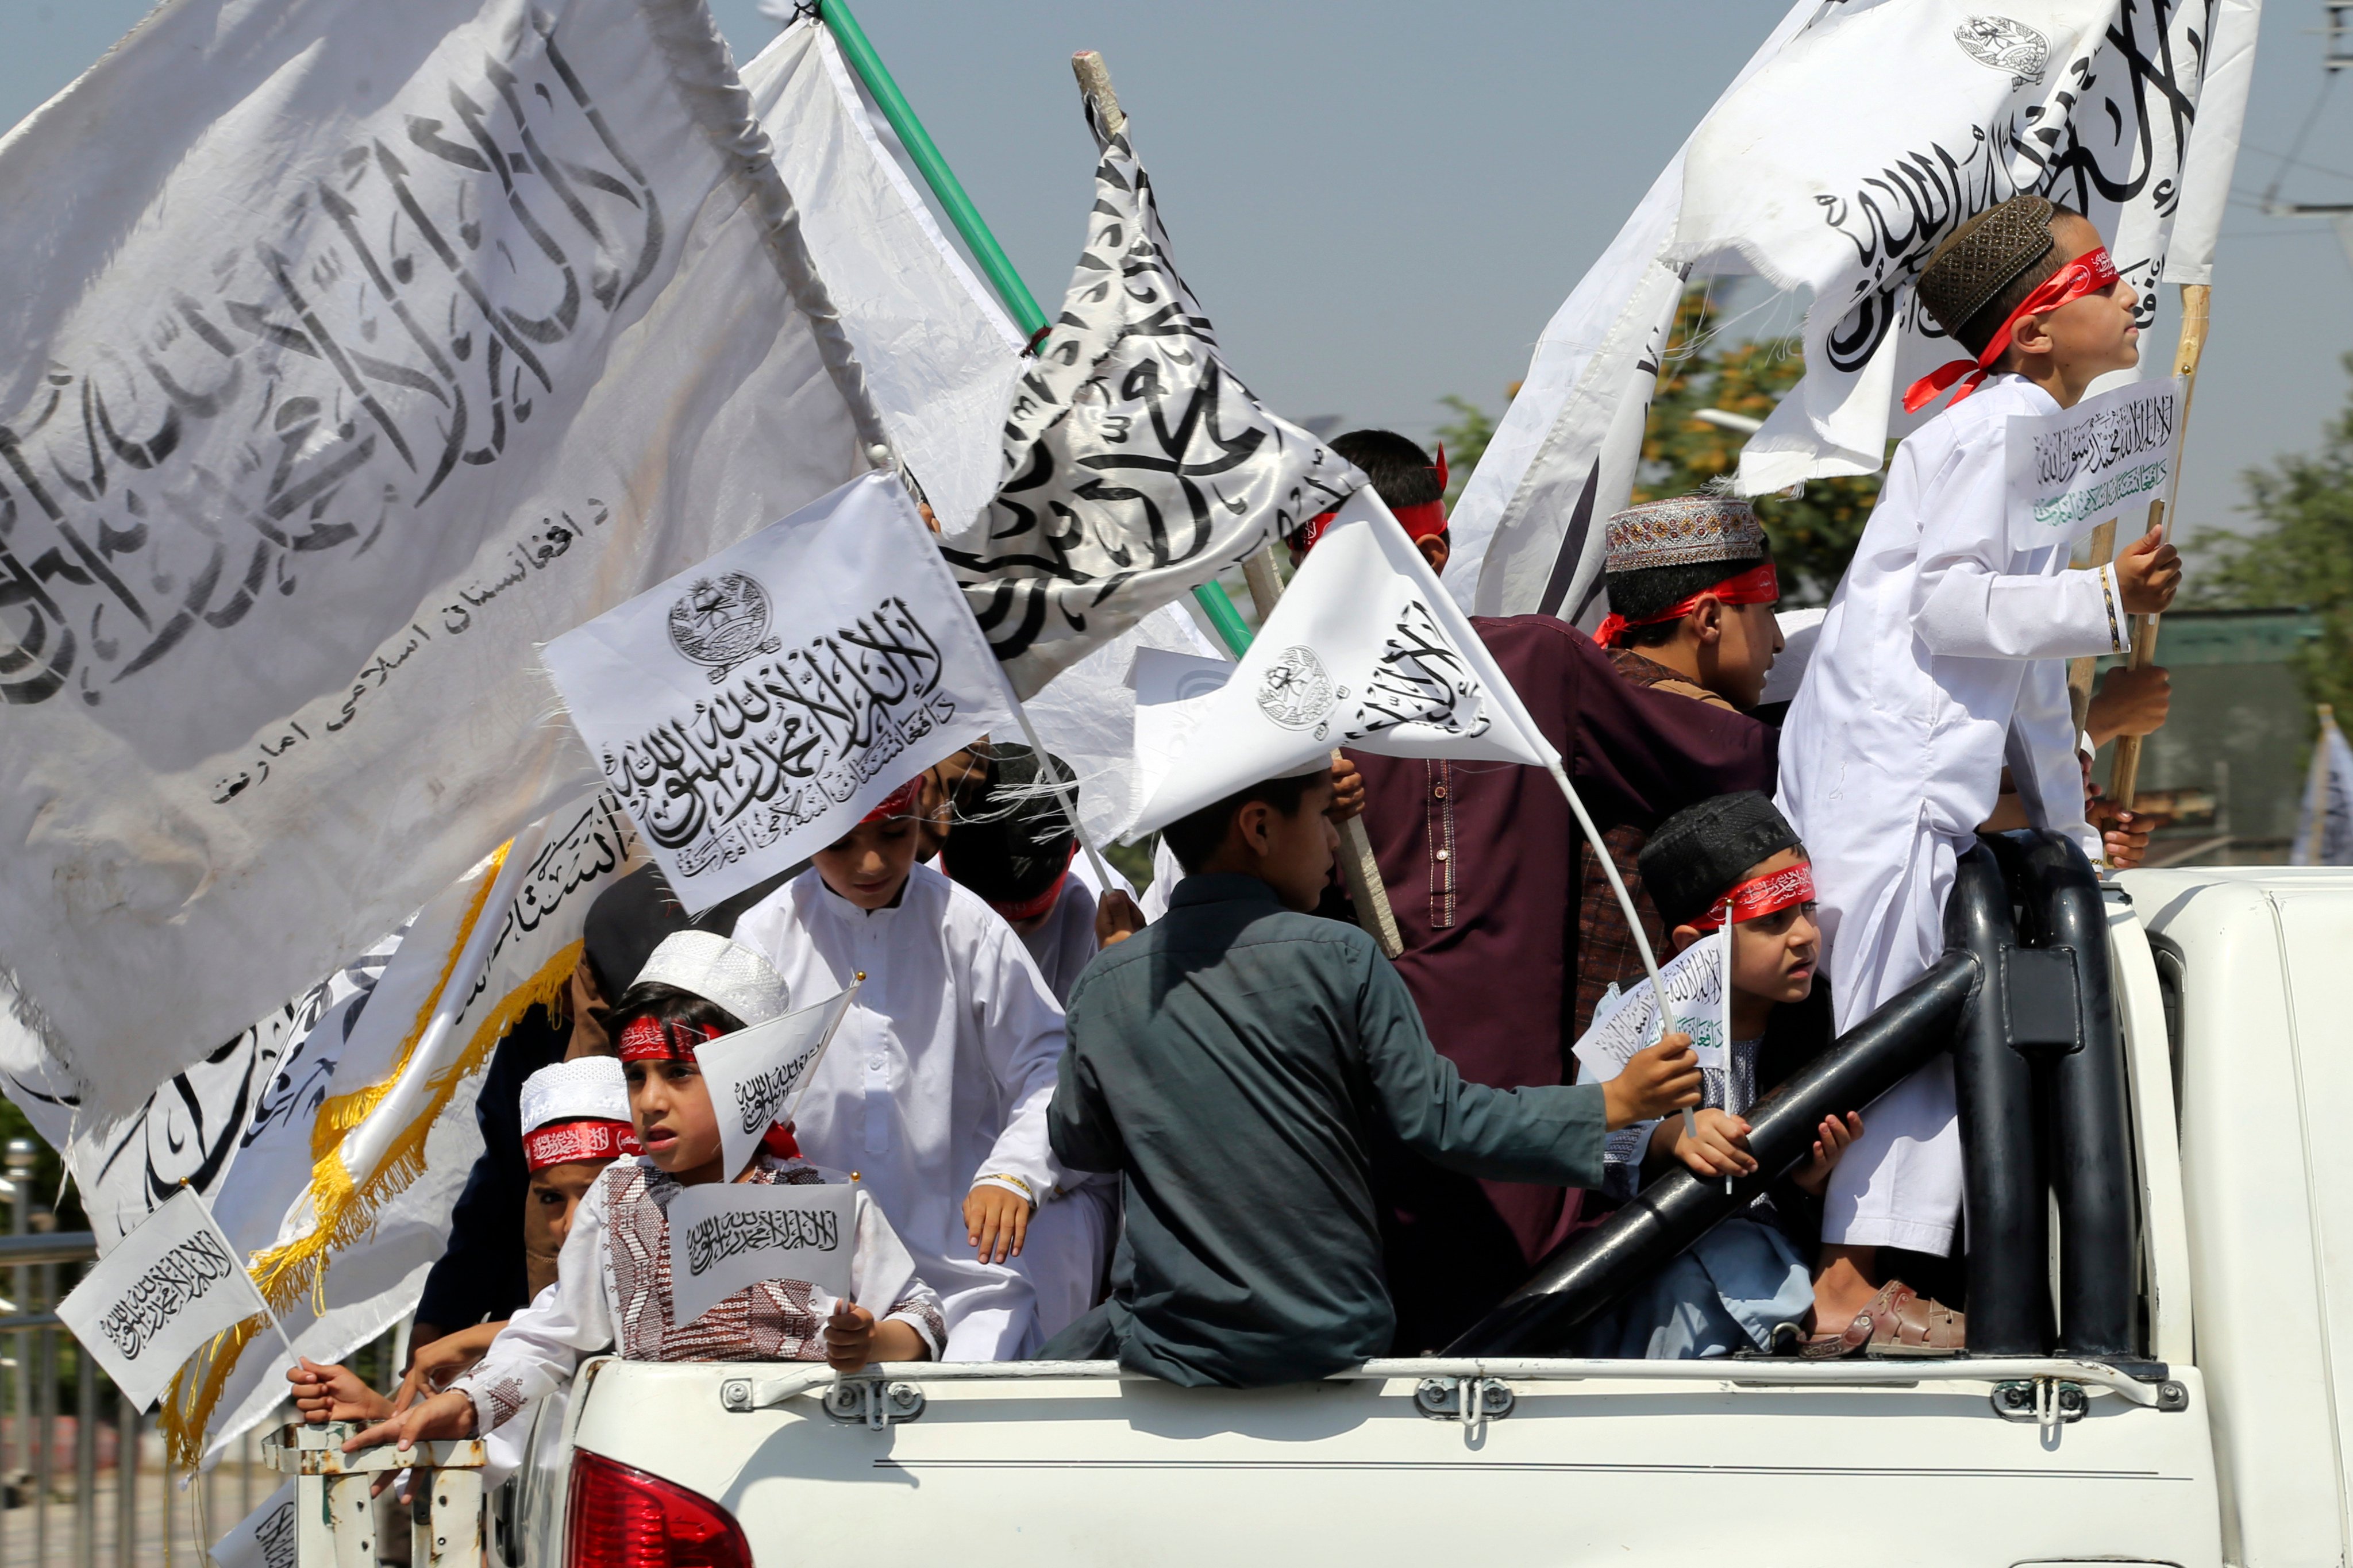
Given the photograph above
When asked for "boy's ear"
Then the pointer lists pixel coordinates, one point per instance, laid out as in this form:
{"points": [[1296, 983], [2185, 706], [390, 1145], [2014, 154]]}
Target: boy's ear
{"points": [[1683, 936]]}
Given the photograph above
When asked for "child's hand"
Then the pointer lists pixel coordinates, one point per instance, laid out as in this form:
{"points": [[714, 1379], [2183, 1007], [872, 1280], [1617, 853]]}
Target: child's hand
{"points": [[1347, 790], [997, 1222], [1720, 1150], [1116, 917], [434, 1365], [2124, 835], [849, 1333], [1663, 1078], [1834, 1136], [2148, 571], [324, 1394]]}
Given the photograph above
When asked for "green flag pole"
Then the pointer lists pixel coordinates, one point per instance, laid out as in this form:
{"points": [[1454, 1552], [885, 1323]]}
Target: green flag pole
{"points": [[995, 265]]}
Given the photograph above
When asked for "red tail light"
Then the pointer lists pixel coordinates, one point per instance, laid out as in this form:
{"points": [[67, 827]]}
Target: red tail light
{"points": [[621, 1516]]}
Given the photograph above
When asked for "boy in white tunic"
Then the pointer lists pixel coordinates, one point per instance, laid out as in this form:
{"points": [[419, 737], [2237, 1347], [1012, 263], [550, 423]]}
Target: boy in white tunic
{"points": [[613, 1280], [934, 1088], [1942, 661]]}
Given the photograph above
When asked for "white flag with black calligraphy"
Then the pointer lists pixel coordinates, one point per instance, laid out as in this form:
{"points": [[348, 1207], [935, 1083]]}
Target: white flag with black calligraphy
{"points": [[725, 1236], [748, 711], [264, 1538], [756, 1075], [1365, 649], [1136, 464], [150, 1304], [1839, 166], [380, 1064], [398, 340]]}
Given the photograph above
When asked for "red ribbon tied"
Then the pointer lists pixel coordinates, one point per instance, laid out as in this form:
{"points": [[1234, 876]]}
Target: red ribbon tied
{"points": [[1761, 896], [564, 1142], [2091, 273], [1760, 584]]}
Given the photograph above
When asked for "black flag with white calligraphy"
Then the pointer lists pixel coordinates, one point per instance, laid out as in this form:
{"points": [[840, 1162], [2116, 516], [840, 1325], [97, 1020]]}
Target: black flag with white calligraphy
{"points": [[1136, 464]]}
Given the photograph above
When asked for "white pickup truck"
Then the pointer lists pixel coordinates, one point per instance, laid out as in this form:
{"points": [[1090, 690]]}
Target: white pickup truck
{"points": [[2213, 1436]]}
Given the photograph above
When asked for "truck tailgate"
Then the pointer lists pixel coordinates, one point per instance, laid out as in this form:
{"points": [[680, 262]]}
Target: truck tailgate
{"points": [[1774, 1463]]}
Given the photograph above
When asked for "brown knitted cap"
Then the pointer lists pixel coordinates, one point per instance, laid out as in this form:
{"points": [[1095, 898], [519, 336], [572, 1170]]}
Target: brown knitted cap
{"points": [[1982, 258]]}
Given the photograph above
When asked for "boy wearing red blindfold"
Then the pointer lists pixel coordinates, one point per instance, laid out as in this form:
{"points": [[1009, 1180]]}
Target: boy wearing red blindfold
{"points": [[1942, 662]]}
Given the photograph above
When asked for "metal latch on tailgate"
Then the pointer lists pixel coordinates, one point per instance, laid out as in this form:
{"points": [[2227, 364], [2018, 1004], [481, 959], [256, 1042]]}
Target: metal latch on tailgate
{"points": [[1444, 1399], [875, 1403], [2048, 1402]]}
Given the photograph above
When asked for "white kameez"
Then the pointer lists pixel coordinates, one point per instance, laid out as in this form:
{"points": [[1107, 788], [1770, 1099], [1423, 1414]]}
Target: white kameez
{"points": [[1941, 661], [936, 1082], [589, 1309]]}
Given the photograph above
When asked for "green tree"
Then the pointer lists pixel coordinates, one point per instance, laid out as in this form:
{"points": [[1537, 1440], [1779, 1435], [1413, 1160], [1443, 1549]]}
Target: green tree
{"points": [[2301, 556], [1814, 533]]}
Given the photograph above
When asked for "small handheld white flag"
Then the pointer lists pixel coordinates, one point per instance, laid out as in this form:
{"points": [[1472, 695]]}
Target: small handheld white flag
{"points": [[1625, 1025], [749, 712], [2107, 456], [757, 1074], [1365, 650], [153, 1300], [2324, 823], [264, 1538], [727, 1236]]}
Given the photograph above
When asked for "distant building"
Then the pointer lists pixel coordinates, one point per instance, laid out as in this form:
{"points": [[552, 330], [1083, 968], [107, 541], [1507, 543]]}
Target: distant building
{"points": [[2229, 764]]}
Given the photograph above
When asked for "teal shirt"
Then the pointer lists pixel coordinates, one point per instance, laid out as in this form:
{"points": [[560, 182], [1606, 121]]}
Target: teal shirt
{"points": [[1233, 1061]]}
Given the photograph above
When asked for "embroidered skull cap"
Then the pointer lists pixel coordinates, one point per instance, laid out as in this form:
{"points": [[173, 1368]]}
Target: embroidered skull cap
{"points": [[719, 971], [1982, 258], [587, 1089], [1683, 531]]}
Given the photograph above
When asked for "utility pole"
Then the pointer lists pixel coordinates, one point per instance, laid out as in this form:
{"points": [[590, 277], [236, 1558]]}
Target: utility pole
{"points": [[2336, 54]]}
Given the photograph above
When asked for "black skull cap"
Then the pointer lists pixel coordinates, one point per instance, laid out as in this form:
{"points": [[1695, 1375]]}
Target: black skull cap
{"points": [[1700, 852]]}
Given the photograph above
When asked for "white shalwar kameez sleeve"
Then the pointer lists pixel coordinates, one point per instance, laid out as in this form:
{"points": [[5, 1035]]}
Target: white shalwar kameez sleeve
{"points": [[1941, 661], [937, 1082]]}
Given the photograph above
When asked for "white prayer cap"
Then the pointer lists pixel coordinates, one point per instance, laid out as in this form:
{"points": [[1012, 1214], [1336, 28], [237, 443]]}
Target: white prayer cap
{"points": [[588, 1089], [1800, 629], [719, 971]]}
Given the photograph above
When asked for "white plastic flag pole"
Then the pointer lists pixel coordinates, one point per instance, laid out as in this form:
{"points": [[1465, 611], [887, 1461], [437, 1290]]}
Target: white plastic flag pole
{"points": [[1626, 903]]}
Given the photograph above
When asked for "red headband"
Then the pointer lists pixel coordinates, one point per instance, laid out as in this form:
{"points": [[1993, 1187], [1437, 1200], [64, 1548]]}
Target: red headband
{"points": [[1761, 896], [2090, 273], [1757, 585], [651, 1040], [562, 1143], [1425, 520], [900, 802]]}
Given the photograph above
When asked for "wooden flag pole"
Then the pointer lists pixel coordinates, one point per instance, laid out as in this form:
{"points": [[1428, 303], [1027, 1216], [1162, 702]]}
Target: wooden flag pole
{"points": [[1366, 889], [2197, 300], [2079, 670]]}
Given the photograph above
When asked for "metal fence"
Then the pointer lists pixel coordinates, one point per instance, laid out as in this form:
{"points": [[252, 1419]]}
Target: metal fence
{"points": [[84, 1477]]}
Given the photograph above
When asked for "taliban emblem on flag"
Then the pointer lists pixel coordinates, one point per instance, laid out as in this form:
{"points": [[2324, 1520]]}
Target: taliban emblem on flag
{"points": [[721, 622], [1297, 691], [2003, 44]]}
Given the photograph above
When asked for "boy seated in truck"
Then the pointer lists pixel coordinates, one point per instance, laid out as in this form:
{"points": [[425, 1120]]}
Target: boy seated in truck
{"points": [[935, 1090], [613, 1285], [1235, 1061], [575, 1122], [1744, 1286]]}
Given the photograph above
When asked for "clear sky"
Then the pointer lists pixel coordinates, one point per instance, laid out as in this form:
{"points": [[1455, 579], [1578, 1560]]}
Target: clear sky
{"points": [[1381, 204]]}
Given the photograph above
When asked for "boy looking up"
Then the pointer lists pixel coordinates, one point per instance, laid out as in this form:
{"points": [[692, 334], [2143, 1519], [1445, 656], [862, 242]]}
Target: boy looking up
{"points": [[1942, 658], [1235, 1061], [934, 1087], [1477, 861]]}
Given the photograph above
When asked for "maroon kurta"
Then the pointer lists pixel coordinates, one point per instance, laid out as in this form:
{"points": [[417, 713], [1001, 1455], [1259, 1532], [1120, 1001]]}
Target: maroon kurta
{"points": [[1480, 862]]}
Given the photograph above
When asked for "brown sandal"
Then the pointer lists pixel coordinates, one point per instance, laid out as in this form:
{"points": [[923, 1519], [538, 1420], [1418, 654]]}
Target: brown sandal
{"points": [[1898, 1321]]}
